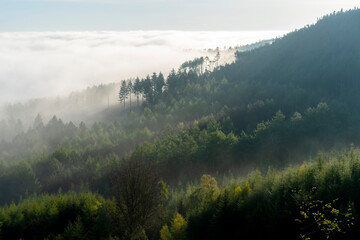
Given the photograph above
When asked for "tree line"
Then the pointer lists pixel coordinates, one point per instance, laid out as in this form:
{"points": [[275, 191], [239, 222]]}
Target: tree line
{"points": [[152, 88]]}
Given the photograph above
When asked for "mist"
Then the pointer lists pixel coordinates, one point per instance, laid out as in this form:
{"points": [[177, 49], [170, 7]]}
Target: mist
{"points": [[76, 75], [49, 64]]}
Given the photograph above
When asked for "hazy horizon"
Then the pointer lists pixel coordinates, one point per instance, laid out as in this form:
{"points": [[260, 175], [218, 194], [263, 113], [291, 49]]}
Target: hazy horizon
{"points": [[54, 47], [51, 64]]}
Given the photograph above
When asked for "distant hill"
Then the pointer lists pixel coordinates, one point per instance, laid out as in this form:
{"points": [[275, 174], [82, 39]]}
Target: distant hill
{"points": [[316, 63]]}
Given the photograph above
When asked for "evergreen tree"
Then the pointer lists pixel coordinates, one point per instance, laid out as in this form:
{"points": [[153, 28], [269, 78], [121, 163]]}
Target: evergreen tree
{"points": [[206, 63], [217, 57], [130, 89], [171, 82], [159, 85], [148, 89], [137, 89], [38, 122], [123, 92]]}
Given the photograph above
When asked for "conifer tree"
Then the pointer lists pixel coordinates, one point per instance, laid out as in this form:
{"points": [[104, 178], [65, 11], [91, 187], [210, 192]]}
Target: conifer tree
{"points": [[123, 92], [217, 57], [148, 88], [159, 85], [137, 89], [130, 89], [38, 122]]}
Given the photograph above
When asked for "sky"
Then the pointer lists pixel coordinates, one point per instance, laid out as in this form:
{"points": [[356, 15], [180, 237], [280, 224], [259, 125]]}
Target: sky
{"points": [[193, 15]]}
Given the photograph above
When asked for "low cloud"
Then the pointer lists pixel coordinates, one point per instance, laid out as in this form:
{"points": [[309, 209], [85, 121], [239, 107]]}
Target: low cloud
{"points": [[46, 64]]}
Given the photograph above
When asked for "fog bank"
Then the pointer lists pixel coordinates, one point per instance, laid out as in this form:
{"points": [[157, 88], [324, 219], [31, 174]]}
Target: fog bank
{"points": [[50, 64]]}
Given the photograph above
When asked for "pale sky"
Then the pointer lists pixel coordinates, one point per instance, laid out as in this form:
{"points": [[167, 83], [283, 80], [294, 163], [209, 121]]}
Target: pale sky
{"points": [[208, 15]]}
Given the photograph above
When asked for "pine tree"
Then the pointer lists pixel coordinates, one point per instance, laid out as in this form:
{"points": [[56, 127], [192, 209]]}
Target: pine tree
{"points": [[148, 87], [217, 57], [159, 85], [130, 89], [38, 122], [137, 89], [123, 92], [206, 63]]}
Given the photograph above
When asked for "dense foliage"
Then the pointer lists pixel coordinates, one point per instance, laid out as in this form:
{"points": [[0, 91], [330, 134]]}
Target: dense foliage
{"points": [[258, 206], [270, 205]]}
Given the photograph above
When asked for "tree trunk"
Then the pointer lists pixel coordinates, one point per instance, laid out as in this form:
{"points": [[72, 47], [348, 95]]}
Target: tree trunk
{"points": [[130, 102]]}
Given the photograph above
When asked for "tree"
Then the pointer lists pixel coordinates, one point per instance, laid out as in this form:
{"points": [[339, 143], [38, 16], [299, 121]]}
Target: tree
{"points": [[171, 82], [178, 227], [38, 122], [177, 230], [206, 63], [321, 218], [165, 233], [139, 195], [159, 85], [123, 92], [195, 65], [153, 81], [217, 57], [201, 63], [130, 89], [148, 89], [137, 89]]}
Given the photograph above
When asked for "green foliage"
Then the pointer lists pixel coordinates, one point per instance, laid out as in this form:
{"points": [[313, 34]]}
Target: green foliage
{"points": [[138, 234], [68, 216], [177, 229], [163, 190], [123, 93], [263, 205]]}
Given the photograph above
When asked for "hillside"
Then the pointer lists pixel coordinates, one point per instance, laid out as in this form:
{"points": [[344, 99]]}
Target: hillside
{"points": [[316, 63], [276, 105]]}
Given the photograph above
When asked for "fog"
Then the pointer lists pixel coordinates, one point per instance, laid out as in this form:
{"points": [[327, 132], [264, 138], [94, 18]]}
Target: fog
{"points": [[48, 64], [76, 75]]}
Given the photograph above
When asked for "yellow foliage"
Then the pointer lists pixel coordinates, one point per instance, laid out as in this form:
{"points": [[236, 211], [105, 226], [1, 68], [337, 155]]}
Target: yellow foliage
{"points": [[207, 182], [181, 125], [242, 191], [179, 223], [96, 206], [165, 233], [247, 189], [302, 169], [179, 226], [237, 191]]}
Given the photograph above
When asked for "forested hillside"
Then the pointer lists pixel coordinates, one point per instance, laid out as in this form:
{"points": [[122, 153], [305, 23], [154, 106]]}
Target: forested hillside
{"points": [[146, 175]]}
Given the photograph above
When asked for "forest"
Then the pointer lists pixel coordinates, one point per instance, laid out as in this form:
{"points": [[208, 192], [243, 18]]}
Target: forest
{"points": [[265, 147]]}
